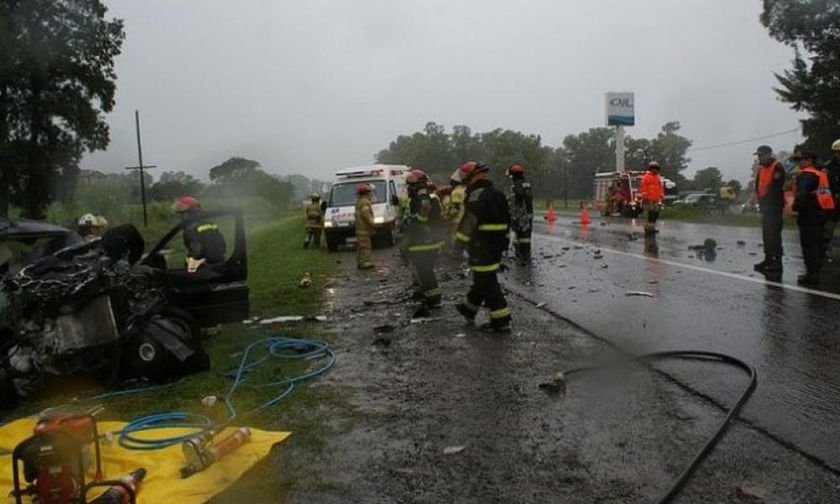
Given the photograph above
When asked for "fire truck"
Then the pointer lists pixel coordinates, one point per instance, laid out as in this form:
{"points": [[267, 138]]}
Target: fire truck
{"points": [[617, 193]]}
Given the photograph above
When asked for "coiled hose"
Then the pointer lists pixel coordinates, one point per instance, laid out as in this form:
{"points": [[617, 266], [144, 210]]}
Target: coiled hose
{"points": [[273, 348]]}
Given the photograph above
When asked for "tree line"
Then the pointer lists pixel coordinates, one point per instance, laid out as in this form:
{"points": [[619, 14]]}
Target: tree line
{"points": [[567, 170]]}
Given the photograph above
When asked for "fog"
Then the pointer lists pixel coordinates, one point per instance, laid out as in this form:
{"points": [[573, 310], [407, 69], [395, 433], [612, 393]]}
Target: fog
{"points": [[309, 86]]}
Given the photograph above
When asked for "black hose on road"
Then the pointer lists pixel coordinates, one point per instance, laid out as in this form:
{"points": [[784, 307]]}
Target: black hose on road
{"points": [[680, 482]]}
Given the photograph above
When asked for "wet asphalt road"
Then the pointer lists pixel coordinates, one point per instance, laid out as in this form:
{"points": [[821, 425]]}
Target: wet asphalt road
{"points": [[791, 335]]}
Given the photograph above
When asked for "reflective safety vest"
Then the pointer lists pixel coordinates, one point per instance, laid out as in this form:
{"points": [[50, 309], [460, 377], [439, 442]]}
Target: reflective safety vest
{"points": [[823, 193], [765, 178]]}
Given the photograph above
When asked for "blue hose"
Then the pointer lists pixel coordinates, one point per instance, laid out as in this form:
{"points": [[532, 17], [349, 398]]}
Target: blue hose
{"points": [[195, 424]]}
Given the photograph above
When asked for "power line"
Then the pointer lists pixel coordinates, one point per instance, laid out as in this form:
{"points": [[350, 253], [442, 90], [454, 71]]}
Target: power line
{"points": [[741, 142]]}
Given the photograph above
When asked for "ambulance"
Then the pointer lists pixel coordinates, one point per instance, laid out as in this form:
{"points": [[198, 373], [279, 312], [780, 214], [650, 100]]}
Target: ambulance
{"points": [[389, 188]]}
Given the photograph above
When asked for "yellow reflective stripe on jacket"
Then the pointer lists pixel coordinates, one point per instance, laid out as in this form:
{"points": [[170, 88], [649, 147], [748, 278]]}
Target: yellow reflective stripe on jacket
{"points": [[206, 227], [492, 227], [425, 248], [421, 218], [482, 268], [461, 236], [504, 312]]}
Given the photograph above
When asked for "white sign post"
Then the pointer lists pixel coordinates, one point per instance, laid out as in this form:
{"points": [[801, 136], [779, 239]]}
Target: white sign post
{"points": [[620, 113]]}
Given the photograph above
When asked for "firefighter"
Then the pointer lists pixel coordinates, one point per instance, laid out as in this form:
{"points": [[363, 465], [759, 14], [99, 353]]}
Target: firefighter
{"points": [[521, 201], [424, 240], [314, 221], [364, 226], [90, 226], [204, 242], [769, 191], [454, 211], [484, 231], [833, 170], [651, 193], [812, 201]]}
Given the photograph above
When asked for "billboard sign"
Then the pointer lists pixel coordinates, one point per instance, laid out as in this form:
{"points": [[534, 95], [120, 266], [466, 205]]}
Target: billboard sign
{"points": [[620, 109]]}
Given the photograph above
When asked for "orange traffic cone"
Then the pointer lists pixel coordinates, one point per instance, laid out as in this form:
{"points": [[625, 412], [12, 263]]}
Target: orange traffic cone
{"points": [[550, 215], [584, 213]]}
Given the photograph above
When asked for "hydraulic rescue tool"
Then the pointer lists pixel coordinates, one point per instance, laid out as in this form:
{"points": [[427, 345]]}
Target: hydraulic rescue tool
{"points": [[201, 451]]}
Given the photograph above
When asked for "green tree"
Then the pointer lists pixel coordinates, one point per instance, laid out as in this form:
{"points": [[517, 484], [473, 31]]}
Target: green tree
{"points": [[233, 169], [736, 186], [707, 179], [812, 85], [239, 177], [173, 185], [669, 149], [502, 148], [588, 153], [56, 83]]}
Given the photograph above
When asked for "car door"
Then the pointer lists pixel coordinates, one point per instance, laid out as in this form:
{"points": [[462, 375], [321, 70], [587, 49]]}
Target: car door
{"points": [[214, 294]]}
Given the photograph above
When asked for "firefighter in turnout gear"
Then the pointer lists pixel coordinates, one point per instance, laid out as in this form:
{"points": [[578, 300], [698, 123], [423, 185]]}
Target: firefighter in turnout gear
{"points": [[364, 226], [484, 231], [833, 170], [314, 222], [812, 202], [424, 240], [453, 211], [651, 192], [203, 240], [522, 209]]}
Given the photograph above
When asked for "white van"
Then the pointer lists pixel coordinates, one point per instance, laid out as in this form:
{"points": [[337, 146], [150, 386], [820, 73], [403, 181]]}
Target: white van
{"points": [[389, 188]]}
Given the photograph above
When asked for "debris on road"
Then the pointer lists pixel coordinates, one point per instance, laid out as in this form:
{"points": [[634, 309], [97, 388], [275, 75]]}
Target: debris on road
{"points": [[386, 328], [638, 293], [461, 335], [541, 304], [209, 401], [425, 320], [293, 318], [754, 492], [382, 342], [557, 385], [741, 243], [453, 450], [306, 281]]}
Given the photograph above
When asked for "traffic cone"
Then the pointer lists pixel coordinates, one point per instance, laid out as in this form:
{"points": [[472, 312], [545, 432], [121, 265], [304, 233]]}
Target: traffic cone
{"points": [[584, 214], [550, 215]]}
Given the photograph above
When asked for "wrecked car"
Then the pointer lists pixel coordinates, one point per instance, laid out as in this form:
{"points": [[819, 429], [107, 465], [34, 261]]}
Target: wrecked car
{"points": [[104, 309]]}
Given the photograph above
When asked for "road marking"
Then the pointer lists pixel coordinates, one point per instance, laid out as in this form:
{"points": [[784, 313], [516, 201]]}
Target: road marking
{"points": [[805, 290]]}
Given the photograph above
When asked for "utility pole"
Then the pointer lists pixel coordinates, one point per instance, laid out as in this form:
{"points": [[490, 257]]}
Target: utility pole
{"points": [[565, 185], [619, 149], [140, 167]]}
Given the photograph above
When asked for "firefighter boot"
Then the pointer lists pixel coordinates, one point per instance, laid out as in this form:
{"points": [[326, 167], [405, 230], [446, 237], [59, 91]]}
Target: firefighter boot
{"points": [[467, 310]]}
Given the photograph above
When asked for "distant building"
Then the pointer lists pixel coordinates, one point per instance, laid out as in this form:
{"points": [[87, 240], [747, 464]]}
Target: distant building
{"points": [[88, 178]]}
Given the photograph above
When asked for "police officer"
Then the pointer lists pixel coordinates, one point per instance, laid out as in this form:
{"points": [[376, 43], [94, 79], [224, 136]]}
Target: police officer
{"points": [[650, 189], [314, 221], [364, 226], [484, 231], [522, 204], [833, 170], [769, 191], [812, 200], [424, 240], [204, 242]]}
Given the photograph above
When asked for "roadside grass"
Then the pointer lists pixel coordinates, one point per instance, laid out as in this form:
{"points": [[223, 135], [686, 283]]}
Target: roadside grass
{"points": [[276, 262], [726, 218]]}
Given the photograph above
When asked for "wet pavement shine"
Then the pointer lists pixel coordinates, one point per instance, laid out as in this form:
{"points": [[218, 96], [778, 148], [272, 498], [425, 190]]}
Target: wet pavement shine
{"points": [[651, 295]]}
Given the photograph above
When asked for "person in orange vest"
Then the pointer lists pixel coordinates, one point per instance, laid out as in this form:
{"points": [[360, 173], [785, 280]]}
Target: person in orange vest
{"points": [[651, 192], [770, 193], [812, 202]]}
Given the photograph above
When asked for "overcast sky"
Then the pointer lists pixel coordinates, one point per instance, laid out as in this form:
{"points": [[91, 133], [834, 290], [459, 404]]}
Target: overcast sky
{"points": [[309, 86]]}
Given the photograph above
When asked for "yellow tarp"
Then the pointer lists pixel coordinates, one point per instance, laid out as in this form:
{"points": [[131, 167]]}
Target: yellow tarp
{"points": [[163, 483]]}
